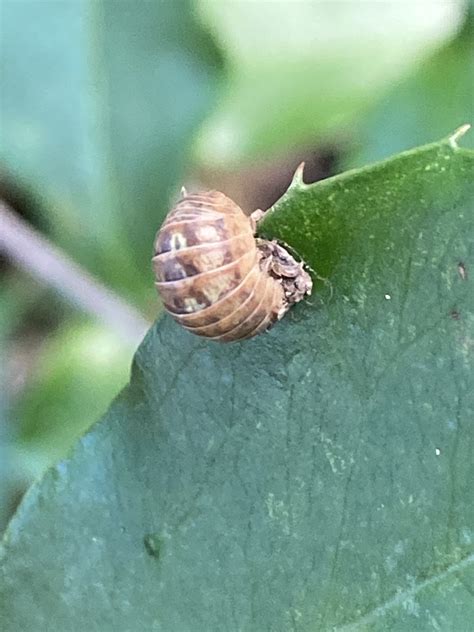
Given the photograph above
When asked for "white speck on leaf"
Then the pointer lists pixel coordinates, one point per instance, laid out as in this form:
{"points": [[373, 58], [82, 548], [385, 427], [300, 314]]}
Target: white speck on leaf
{"points": [[412, 606], [278, 511], [467, 535]]}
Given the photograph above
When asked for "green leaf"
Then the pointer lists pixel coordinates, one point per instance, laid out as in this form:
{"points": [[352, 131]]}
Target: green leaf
{"points": [[100, 101], [77, 372], [303, 72], [317, 477], [424, 105], [18, 295]]}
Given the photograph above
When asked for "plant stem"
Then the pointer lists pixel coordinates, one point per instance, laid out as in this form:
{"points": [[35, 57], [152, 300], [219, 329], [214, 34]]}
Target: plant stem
{"points": [[28, 249]]}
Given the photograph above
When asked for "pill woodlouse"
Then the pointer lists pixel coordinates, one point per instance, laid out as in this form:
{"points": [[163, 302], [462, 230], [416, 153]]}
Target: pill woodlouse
{"points": [[218, 280]]}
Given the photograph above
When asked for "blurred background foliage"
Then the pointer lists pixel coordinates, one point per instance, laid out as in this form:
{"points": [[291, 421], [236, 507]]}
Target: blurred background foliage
{"points": [[108, 107]]}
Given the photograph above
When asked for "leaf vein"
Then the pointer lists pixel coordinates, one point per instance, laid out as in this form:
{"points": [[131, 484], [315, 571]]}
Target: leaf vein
{"points": [[400, 597]]}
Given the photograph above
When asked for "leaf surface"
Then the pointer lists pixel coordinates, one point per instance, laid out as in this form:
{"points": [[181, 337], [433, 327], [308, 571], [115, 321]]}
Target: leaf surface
{"points": [[317, 477]]}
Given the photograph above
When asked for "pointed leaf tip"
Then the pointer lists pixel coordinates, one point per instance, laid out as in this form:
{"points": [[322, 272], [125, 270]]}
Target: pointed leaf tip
{"points": [[453, 139], [297, 180]]}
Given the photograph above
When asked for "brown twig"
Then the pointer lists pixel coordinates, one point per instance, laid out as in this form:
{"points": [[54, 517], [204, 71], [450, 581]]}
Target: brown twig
{"points": [[34, 253]]}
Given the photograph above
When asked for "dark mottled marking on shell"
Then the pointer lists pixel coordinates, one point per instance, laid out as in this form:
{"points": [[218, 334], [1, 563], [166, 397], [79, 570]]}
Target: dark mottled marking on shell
{"points": [[175, 270], [214, 284], [230, 304], [188, 262], [187, 233], [208, 273], [178, 304]]}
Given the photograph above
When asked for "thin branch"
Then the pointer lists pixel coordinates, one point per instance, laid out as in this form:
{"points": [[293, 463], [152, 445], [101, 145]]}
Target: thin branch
{"points": [[34, 253]]}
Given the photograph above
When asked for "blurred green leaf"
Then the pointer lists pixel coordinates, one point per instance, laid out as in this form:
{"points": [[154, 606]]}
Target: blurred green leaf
{"points": [[314, 478], [438, 96], [302, 72], [7, 475], [17, 294], [100, 101], [79, 370]]}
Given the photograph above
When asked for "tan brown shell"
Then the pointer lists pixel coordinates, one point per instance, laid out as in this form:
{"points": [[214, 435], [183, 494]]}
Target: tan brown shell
{"points": [[214, 277]]}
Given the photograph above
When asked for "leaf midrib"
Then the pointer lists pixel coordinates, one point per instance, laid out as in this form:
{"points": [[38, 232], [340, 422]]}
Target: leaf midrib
{"points": [[398, 599]]}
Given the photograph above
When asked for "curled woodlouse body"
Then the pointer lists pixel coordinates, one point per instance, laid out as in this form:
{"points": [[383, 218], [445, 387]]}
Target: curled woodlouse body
{"points": [[215, 278]]}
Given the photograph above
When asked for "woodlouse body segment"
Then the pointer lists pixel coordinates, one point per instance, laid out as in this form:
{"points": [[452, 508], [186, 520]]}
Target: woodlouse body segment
{"points": [[214, 277]]}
